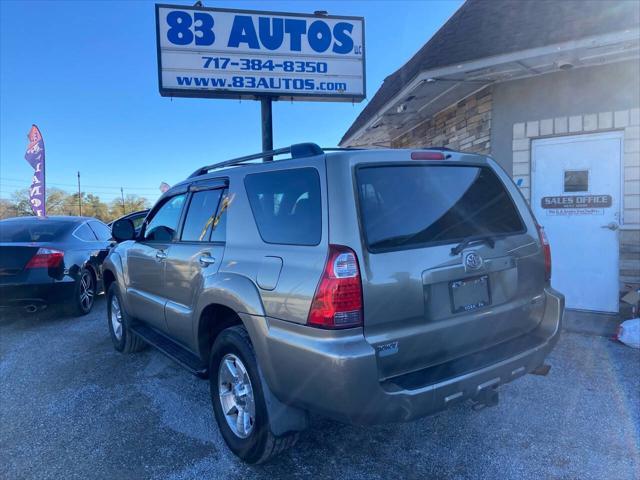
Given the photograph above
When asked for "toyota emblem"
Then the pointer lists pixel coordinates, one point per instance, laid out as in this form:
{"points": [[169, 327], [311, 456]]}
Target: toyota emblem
{"points": [[472, 261]]}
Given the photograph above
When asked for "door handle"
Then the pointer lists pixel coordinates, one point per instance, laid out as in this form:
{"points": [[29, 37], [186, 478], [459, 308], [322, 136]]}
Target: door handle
{"points": [[206, 260], [161, 254], [611, 226]]}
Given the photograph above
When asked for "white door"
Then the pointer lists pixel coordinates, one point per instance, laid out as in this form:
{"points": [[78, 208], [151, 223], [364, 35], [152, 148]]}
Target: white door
{"points": [[576, 198]]}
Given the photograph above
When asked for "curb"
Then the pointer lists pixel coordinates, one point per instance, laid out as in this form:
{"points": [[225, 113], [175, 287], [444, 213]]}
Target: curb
{"points": [[591, 323]]}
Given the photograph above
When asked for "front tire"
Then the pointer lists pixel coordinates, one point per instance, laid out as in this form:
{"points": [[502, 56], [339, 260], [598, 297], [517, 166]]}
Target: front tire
{"points": [[124, 340], [238, 399]]}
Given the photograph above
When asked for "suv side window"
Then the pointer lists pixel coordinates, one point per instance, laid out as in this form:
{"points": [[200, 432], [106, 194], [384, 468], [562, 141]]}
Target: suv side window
{"points": [[219, 233], [201, 216], [137, 220], [163, 225], [101, 230], [286, 205]]}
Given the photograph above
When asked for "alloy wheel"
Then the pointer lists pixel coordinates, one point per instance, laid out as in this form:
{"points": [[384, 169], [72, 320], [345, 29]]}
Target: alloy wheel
{"points": [[116, 318], [87, 291], [236, 395]]}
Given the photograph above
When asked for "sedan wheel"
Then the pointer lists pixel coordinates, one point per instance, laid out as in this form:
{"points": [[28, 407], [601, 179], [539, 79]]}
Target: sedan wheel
{"points": [[87, 290]]}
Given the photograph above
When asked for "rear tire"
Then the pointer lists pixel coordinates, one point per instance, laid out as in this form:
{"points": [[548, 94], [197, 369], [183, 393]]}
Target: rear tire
{"points": [[84, 293], [252, 441], [124, 340]]}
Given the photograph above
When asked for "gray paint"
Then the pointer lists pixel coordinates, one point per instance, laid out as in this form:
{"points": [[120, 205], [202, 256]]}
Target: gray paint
{"points": [[580, 91]]}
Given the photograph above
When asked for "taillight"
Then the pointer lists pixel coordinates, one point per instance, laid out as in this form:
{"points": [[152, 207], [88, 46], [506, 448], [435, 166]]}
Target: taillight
{"points": [[46, 258], [546, 250], [338, 299], [427, 156]]}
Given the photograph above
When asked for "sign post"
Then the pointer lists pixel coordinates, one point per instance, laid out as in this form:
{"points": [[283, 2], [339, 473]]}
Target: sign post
{"points": [[267, 125], [246, 54]]}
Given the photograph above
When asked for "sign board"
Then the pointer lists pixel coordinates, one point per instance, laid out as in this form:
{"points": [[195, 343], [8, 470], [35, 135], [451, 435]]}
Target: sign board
{"points": [[223, 53], [576, 205], [577, 201]]}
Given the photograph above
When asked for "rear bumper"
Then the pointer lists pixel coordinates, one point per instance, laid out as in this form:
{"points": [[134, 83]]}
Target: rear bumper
{"points": [[335, 373], [22, 295]]}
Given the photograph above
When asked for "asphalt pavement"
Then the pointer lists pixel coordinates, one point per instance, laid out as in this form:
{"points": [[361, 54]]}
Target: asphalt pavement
{"points": [[72, 407]]}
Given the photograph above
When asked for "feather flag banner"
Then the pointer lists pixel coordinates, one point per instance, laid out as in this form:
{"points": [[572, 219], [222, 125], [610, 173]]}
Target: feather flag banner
{"points": [[35, 157]]}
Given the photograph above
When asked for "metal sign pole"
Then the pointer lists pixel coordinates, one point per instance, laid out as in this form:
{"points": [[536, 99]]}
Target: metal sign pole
{"points": [[267, 125], [79, 197]]}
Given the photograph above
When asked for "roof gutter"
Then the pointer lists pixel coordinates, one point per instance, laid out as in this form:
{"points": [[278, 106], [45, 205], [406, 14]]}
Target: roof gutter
{"points": [[486, 62]]}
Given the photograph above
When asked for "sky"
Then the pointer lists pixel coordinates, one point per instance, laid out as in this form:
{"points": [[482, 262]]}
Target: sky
{"points": [[86, 74]]}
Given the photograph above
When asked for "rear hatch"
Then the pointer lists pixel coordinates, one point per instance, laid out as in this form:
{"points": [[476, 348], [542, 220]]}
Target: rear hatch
{"points": [[452, 265]]}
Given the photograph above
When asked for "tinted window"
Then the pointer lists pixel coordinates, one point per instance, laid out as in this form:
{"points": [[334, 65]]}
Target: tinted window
{"points": [[101, 230], [201, 216], [220, 223], [163, 225], [286, 205], [83, 232], [405, 206], [30, 230]]}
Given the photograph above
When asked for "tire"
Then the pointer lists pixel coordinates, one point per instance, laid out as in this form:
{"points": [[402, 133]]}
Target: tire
{"points": [[258, 444], [124, 340], [84, 293]]}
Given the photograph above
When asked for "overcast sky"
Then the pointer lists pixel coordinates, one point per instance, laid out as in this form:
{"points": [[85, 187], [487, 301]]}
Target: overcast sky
{"points": [[86, 74]]}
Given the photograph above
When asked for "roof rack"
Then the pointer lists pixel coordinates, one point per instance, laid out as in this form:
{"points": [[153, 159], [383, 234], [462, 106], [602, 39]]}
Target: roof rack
{"points": [[298, 150], [340, 149]]}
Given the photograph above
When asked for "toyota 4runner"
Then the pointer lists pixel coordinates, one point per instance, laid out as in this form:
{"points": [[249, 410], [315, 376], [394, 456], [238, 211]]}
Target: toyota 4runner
{"points": [[365, 285]]}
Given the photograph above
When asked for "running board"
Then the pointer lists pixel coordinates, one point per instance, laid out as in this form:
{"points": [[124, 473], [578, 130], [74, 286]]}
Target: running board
{"points": [[171, 349]]}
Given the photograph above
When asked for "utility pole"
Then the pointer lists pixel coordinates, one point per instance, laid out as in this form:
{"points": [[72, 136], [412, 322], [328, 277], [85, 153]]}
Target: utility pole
{"points": [[267, 125], [79, 197], [124, 211]]}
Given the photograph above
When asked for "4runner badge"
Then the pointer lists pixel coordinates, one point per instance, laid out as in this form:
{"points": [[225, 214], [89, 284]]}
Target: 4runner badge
{"points": [[387, 349], [472, 261]]}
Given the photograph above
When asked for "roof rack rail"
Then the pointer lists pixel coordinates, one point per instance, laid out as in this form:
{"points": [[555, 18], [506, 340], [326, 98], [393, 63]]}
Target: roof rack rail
{"points": [[340, 149], [298, 150]]}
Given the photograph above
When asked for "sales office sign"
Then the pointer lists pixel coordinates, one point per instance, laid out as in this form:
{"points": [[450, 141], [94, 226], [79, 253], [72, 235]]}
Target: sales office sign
{"points": [[571, 205], [221, 53]]}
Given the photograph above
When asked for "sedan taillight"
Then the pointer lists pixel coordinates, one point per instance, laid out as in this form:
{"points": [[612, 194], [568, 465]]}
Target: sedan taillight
{"points": [[46, 258]]}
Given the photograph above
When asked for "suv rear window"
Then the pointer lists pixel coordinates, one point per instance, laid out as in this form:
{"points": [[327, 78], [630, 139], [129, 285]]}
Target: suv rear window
{"points": [[412, 206], [286, 205]]}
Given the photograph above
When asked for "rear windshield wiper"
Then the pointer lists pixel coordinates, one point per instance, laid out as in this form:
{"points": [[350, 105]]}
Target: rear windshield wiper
{"points": [[489, 240]]}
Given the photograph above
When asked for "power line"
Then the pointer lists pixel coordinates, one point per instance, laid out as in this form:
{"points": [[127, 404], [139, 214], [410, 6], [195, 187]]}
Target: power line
{"points": [[74, 185], [98, 191]]}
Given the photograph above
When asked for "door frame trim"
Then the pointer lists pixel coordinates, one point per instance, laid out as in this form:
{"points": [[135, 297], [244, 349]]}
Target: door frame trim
{"points": [[613, 134]]}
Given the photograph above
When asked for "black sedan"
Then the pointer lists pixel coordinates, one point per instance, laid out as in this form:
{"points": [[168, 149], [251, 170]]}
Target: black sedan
{"points": [[52, 260]]}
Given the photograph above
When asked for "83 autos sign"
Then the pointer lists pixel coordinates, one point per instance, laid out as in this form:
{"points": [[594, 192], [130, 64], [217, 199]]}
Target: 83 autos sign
{"points": [[212, 52]]}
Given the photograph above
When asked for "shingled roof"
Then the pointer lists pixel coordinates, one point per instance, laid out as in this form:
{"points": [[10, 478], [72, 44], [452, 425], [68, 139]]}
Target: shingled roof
{"points": [[485, 28]]}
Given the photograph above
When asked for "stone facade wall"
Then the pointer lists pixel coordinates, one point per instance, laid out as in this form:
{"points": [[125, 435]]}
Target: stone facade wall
{"points": [[464, 126]]}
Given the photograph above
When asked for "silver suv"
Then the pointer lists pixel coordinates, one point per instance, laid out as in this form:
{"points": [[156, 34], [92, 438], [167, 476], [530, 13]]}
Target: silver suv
{"points": [[365, 285]]}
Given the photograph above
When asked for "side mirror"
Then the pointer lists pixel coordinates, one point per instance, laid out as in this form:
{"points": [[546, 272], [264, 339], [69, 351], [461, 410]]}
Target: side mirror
{"points": [[123, 230]]}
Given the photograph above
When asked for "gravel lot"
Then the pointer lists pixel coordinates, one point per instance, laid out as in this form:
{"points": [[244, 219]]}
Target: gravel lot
{"points": [[72, 407]]}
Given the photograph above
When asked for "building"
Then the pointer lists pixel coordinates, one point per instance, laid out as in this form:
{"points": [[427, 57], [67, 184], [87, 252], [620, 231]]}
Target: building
{"points": [[550, 89]]}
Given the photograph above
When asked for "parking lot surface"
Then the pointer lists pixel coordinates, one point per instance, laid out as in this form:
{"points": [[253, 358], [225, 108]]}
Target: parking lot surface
{"points": [[72, 407]]}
